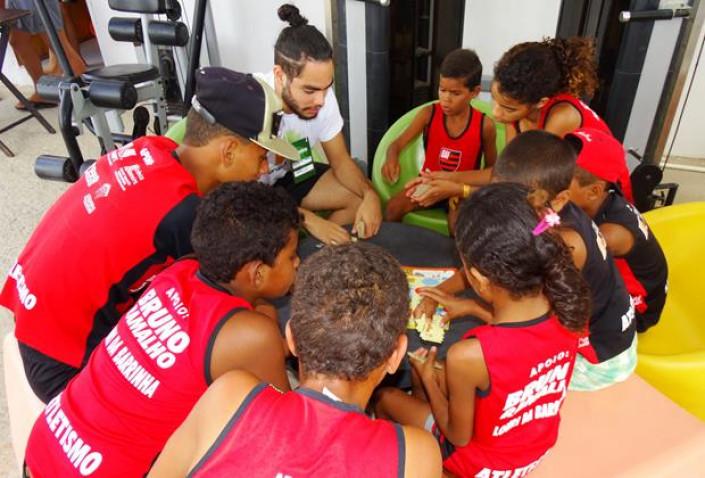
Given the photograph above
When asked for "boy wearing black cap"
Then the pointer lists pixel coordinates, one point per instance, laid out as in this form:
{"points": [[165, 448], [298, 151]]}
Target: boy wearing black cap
{"points": [[127, 218], [598, 188], [193, 324]]}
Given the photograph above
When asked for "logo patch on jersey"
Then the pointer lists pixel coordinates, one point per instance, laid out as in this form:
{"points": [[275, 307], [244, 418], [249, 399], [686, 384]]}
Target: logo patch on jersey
{"points": [[103, 191], [91, 175], [449, 159], [88, 203], [641, 222], [600, 240]]}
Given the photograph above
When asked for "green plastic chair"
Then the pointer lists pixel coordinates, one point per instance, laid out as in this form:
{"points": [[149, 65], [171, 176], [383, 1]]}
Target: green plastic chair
{"points": [[176, 131], [409, 159]]}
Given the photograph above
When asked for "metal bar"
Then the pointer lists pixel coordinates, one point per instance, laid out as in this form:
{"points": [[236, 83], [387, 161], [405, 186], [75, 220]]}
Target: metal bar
{"points": [[8, 152], [683, 167], [54, 38], [673, 86], [211, 38], [340, 57], [651, 15], [27, 104], [194, 50], [16, 123]]}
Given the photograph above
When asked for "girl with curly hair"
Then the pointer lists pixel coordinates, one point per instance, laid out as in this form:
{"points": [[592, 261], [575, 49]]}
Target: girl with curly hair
{"points": [[539, 85]]}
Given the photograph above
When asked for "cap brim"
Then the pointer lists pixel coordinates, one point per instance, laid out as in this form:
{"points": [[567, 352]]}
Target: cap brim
{"points": [[278, 146]]}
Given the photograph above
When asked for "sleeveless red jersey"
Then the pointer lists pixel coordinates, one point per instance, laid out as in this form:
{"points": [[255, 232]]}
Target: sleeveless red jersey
{"points": [[125, 219], [303, 433], [447, 153], [142, 380], [589, 119], [516, 420]]}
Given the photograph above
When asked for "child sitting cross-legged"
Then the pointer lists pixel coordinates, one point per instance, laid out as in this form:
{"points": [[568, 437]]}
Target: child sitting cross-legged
{"points": [[597, 189], [455, 136], [348, 316], [494, 407], [194, 323]]}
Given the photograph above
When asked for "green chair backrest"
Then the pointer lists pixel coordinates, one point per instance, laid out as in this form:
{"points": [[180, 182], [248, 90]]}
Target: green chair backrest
{"points": [[410, 159]]}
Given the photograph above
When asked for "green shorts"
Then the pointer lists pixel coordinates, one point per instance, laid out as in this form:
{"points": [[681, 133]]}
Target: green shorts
{"points": [[589, 377]]}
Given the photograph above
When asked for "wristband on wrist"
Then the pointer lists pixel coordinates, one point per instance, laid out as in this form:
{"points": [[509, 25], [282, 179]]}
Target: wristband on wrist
{"points": [[466, 191]]}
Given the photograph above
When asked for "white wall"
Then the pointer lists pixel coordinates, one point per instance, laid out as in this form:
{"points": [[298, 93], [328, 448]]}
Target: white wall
{"points": [[690, 140], [492, 27]]}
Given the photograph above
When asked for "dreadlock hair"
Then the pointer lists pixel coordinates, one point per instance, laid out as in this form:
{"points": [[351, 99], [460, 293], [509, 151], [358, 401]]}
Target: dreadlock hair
{"points": [[499, 242], [299, 43], [530, 71]]}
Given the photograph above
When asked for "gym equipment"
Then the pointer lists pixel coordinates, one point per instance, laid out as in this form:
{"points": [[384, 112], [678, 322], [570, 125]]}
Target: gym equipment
{"points": [[672, 353], [410, 159], [94, 99]]}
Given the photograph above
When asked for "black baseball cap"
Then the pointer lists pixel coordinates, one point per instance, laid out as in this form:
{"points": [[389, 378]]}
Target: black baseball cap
{"points": [[242, 103]]}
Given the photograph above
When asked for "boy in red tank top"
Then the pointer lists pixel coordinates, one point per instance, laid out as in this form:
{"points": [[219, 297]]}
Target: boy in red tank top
{"points": [[127, 218], [455, 134], [347, 329], [495, 406], [195, 322]]}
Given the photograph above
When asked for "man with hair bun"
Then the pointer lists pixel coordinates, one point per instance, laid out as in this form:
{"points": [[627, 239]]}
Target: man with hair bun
{"points": [[303, 76]]}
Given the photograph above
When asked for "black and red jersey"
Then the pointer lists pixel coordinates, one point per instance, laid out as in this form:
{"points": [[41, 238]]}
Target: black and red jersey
{"points": [[142, 380], [516, 420], [644, 268], [303, 433], [447, 153], [126, 218], [612, 321]]}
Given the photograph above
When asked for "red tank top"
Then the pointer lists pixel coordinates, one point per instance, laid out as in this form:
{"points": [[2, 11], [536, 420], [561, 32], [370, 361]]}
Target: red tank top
{"points": [[589, 119], [141, 381], [445, 153], [516, 420], [99, 242], [303, 433]]}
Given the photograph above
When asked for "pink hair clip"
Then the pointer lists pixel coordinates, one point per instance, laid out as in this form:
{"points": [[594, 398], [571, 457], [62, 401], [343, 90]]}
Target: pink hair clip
{"points": [[549, 220]]}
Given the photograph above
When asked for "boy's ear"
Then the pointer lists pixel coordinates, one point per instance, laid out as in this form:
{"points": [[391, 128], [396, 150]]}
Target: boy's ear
{"points": [[595, 190], [475, 91], [397, 355], [256, 273], [290, 339], [561, 199]]}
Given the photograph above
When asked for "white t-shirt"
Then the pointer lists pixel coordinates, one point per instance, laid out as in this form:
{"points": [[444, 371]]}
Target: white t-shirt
{"points": [[324, 127]]}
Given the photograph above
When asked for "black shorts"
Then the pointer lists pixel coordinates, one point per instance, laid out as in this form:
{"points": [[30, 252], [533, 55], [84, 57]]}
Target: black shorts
{"points": [[300, 191], [46, 376]]}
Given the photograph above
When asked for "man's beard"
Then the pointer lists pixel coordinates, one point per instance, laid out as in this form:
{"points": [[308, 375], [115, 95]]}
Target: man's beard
{"points": [[288, 99]]}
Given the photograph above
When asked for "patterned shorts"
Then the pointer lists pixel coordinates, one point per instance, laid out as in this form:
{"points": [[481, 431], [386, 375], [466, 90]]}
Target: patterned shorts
{"points": [[590, 376]]}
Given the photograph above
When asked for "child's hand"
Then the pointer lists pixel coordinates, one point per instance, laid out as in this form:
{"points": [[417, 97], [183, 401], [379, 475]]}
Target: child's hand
{"points": [[391, 169], [426, 307], [438, 190], [325, 231], [424, 362], [454, 306]]}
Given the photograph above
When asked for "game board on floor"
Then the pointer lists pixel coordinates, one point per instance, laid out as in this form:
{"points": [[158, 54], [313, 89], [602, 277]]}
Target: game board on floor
{"points": [[426, 277]]}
